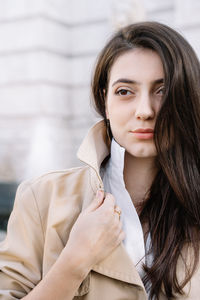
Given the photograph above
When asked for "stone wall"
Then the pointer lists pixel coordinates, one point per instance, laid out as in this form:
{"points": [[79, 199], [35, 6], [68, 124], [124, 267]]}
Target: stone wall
{"points": [[47, 52]]}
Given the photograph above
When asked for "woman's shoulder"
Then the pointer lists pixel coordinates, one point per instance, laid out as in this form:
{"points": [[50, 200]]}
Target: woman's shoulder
{"points": [[57, 175], [55, 179], [53, 186], [53, 196]]}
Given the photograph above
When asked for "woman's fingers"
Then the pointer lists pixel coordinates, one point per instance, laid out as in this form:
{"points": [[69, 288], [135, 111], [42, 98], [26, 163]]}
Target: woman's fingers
{"points": [[106, 200], [98, 200], [109, 202], [97, 230], [121, 236]]}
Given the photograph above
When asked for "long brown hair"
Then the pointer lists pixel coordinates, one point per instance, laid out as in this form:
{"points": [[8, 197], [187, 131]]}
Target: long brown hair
{"points": [[173, 206]]}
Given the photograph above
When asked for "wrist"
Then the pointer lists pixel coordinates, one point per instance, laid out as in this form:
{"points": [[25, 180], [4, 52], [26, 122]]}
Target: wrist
{"points": [[75, 263]]}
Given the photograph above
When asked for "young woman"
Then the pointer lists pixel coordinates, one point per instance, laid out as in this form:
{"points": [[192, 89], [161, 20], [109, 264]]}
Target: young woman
{"points": [[126, 225]]}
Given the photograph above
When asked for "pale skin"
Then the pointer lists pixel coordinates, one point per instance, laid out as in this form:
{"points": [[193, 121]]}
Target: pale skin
{"points": [[98, 230], [134, 97]]}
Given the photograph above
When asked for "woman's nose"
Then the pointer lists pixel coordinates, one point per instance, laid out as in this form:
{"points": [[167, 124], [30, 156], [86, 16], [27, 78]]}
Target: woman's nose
{"points": [[144, 109]]}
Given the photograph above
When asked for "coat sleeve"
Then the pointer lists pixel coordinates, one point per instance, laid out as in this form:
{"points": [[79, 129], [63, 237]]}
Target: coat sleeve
{"points": [[22, 250]]}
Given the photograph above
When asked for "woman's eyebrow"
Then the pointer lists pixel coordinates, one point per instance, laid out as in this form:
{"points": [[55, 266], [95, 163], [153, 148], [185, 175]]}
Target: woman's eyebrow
{"points": [[125, 80], [157, 81]]}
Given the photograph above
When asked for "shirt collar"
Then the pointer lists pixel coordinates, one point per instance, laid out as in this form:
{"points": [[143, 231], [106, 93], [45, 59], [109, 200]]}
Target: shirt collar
{"points": [[113, 179], [117, 158]]}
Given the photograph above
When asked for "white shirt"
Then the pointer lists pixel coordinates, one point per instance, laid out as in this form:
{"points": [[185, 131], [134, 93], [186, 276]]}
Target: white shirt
{"points": [[113, 180]]}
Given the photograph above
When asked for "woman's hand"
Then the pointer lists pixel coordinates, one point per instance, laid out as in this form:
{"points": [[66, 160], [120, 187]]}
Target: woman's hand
{"points": [[96, 233]]}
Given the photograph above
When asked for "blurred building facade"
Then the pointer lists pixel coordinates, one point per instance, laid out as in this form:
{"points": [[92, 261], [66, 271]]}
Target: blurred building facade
{"points": [[48, 49]]}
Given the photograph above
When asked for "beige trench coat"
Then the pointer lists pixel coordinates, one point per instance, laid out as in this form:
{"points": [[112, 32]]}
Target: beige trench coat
{"points": [[44, 212]]}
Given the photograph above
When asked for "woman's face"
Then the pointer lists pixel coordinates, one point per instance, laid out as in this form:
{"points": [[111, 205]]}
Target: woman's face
{"points": [[135, 93]]}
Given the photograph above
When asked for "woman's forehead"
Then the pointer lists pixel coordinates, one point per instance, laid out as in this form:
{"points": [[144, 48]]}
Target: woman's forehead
{"points": [[137, 65]]}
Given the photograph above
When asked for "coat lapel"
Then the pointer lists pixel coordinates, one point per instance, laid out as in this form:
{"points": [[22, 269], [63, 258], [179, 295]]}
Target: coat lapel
{"points": [[118, 264]]}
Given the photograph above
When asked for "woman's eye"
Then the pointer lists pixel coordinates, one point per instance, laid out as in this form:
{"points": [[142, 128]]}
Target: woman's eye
{"points": [[123, 92], [160, 91]]}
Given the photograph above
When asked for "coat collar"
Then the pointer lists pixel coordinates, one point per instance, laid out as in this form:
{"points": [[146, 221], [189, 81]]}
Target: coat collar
{"points": [[93, 150], [95, 147]]}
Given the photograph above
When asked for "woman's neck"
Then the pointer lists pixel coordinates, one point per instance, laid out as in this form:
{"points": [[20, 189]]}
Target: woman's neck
{"points": [[139, 174]]}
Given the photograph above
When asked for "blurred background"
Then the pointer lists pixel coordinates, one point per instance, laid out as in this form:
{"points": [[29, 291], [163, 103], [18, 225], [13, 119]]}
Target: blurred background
{"points": [[48, 49]]}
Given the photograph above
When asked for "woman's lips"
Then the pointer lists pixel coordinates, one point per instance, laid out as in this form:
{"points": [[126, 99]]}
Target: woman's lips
{"points": [[143, 133]]}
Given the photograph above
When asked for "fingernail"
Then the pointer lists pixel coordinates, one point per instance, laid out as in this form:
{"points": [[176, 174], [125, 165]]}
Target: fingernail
{"points": [[99, 193]]}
